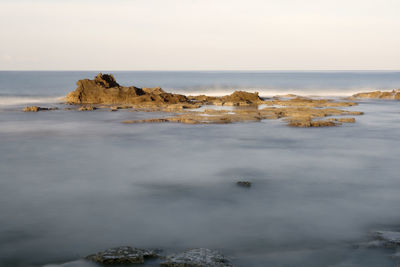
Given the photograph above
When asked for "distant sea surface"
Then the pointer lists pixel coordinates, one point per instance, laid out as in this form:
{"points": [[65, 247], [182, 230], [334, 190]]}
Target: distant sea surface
{"points": [[23, 86], [73, 183]]}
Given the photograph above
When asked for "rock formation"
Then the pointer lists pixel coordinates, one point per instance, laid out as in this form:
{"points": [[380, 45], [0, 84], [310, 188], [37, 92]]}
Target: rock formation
{"points": [[395, 94], [294, 116], [104, 89], [297, 111]]}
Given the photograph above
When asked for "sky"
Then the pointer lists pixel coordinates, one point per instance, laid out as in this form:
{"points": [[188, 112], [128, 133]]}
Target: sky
{"points": [[200, 35]]}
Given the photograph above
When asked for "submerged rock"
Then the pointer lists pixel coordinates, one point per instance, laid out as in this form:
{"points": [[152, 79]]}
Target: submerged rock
{"points": [[387, 238], [123, 255], [243, 183], [382, 239], [295, 116], [36, 109], [199, 257]]}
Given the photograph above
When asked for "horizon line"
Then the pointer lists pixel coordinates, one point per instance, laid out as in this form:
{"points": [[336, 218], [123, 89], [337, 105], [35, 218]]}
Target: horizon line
{"points": [[214, 70]]}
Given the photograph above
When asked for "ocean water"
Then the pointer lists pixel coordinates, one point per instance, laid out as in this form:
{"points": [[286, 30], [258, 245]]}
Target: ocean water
{"points": [[73, 183]]}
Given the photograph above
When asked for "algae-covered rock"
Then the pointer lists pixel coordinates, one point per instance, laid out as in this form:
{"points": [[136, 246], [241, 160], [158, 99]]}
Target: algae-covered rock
{"points": [[123, 255], [199, 257]]}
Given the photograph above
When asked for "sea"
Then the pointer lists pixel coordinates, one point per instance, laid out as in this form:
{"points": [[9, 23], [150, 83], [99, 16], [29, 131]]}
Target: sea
{"points": [[74, 183]]}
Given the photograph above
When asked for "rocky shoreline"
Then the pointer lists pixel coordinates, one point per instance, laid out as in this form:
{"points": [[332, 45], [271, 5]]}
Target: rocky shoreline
{"points": [[104, 92]]}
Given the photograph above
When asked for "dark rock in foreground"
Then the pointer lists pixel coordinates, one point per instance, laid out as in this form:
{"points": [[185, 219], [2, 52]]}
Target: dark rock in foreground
{"points": [[199, 257], [122, 255]]}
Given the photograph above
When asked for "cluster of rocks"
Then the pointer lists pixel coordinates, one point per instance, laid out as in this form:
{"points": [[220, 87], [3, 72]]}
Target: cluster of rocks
{"points": [[394, 94], [199, 257], [294, 116], [105, 92]]}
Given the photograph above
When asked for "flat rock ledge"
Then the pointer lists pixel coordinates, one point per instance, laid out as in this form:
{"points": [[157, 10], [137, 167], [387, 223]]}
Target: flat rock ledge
{"points": [[198, 257], [123, 255], [394, 95]]}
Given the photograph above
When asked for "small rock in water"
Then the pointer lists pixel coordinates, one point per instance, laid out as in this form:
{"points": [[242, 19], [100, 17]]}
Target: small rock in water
{"points": [[36, 109], [87, 108], [198, 257], [122, 255], [244, 183]]}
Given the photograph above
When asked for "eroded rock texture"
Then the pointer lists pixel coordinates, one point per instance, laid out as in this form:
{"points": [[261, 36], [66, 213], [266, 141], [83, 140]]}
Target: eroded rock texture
{"points": [[395, 95], [199, 257]]}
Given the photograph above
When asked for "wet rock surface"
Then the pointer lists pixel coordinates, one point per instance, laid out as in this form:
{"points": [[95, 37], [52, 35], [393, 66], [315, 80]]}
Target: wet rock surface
{"points": [[394, 95], [199, 257], [37, 109], [294, 116], [104, 89], [123, 255]]}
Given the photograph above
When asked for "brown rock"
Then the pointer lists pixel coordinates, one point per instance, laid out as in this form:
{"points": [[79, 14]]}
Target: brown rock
{"points": [[87, 108], [395, 94], [36, 109], [105, 90]]}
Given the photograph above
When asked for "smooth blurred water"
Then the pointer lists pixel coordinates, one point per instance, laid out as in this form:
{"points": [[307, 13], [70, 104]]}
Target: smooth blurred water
{"points": [[73, 183]]}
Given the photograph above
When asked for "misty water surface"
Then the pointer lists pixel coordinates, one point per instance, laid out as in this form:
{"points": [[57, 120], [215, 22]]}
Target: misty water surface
{"points": [[74, 183]]}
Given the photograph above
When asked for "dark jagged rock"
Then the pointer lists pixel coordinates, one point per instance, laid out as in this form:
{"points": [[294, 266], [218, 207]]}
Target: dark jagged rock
{"points": [[123, 255], [199, 257], [106, 80]]}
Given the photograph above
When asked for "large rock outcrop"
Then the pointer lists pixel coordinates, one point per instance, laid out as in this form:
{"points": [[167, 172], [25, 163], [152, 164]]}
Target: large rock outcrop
{"points": [[104, 89]]}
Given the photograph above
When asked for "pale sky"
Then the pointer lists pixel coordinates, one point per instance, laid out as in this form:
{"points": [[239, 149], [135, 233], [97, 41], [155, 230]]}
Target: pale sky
{"points": [[200, 35]]}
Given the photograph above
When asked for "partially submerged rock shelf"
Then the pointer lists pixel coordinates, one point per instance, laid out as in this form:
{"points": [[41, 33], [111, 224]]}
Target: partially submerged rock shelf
{"points": [[294, 116], [104, 92]]}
